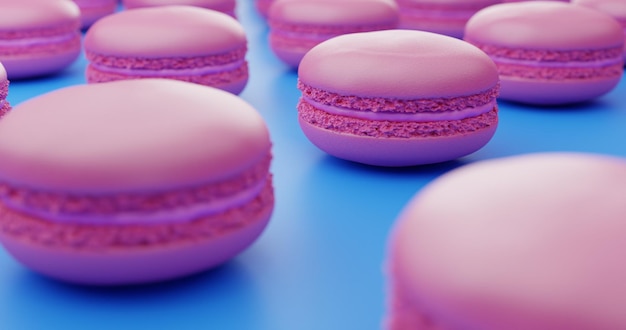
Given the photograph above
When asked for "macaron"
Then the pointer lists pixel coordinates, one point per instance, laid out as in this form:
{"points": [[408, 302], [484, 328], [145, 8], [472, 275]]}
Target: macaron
{"points": [[397, 97], [526, 242], [545, 54], [263, 7], [132, 181], [38, 37], [175, 42], [224, 6], [614, 8], [445, 17], [296, 26], [533, 0], [4, 91], [92, 10]]}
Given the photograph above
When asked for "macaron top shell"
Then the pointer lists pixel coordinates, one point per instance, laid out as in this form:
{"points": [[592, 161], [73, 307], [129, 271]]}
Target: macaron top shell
{"points": [[3, 73], [144, 135], [403, 64], [460, 3], [166, 31], [544, 25], [36, 14], [198, 3], [333, 12], [616, 8], [528, 242]]}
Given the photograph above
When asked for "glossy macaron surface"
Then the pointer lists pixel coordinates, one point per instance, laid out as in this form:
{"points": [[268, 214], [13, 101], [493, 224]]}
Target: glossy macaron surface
{"points": [[36, 14], [543, 25], [526, 242], [225, 6], [165, 32], [86, 138], [416, 65]]}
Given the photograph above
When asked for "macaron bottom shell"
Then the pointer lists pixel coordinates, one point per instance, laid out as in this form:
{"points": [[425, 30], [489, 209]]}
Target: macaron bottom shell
{"points": [[35, 65], [137, 265], [394, 152], [549, 92]]}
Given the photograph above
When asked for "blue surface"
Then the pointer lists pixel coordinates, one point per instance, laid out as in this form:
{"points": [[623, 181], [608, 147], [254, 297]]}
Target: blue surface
{"points": [[319, 264]]}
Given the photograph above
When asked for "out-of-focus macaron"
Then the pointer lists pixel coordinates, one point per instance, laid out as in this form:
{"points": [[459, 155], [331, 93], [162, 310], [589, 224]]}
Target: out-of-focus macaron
{"points": [[177, 42], [92, 10], [38, 37], [445, 17], [397, 97], [549, 52], [525, 242], [263, 7], [4, 92], [132, 181], [614, 8], [224, 6], [296, 26]]}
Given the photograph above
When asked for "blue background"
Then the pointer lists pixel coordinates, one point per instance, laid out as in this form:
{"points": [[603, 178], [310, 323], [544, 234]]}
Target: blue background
{"points": [[320, 263]]}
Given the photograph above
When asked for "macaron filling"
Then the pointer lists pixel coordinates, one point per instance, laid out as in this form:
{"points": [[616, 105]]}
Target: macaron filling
{"points": [[210, 70], [555, 64], [383, 117], [54, 40], [83, 237], [4, 89], [403, 117], [176, 206], [198, 71], [4, 107]]}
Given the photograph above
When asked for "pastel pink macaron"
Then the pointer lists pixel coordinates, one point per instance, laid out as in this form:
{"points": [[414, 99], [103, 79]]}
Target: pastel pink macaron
{"points": [[296, 26], [545, 54], [526, 242], [440, 16], [397, 97], [263, 6], [38, 37], [176, 42], [132, 181], [533, 0], [4, 92], [614, 8], [224, 6], [92, 10]]}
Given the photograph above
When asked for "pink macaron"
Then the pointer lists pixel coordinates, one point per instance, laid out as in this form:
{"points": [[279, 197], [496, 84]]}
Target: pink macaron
{"points": [[93, 10], [549, 52], [446, 17], [533, 0], [614, 8], [177, 42], [4, 91], [397, 97], [525, 242], [263, 7], [132, 181], [224, 6], [38, 37], [296, 26]]}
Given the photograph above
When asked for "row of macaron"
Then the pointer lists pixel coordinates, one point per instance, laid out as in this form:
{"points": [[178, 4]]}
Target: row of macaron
{"points": [[366, 96]]}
